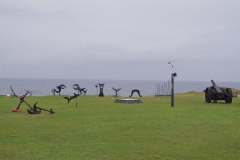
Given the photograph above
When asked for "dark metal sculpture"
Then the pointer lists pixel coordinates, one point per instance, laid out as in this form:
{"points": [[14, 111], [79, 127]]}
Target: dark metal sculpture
{"points": [[60, 87], [116, 90], [13, 93], [135, 90], [80, 90], [73, 97], [101, 90], [216, 93], [30, 92], [37, 110], [32, 110]]}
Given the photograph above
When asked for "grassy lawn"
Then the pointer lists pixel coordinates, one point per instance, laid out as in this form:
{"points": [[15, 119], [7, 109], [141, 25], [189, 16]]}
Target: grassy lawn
{"points": [[98, 128]]}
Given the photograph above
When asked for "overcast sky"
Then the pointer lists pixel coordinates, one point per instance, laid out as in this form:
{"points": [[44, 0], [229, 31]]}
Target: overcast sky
{"points": [[120, 39]]}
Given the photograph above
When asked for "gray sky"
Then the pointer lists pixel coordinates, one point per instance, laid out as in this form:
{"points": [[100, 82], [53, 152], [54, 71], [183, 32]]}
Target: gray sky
{"points": [[120, 39]]}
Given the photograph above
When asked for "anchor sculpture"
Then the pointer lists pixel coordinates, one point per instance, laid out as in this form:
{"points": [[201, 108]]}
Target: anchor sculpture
{"points": [[30, 92], [37, 110], [135, 90], [60, 87], [32, 110], [116, 90], [80, 90], [13, 93]]}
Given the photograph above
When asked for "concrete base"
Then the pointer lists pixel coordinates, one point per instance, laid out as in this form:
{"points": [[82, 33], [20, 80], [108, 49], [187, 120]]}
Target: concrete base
{"points": [[128, 101]]}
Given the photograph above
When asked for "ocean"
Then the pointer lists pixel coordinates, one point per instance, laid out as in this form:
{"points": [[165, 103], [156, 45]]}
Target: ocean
{"points": [[43, 87]]}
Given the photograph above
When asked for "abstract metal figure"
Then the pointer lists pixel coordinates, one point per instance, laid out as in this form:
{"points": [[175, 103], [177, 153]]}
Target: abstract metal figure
{"points": [[13, 93], [85, 92], [60, 87], [116, 90], [101, 89], [135, 90], [32, 110], [72, 97], [80, 90]]}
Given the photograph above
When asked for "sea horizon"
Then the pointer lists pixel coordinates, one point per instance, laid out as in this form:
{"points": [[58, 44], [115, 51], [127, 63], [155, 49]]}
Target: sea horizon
{"points": [[43, 86]]}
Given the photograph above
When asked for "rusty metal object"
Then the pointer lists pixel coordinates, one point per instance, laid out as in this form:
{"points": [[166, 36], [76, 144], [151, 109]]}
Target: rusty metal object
{"points": [[32, 110]]}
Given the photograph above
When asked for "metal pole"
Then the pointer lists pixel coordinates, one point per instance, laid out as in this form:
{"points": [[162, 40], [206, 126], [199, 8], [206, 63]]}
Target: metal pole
{"points": [[172, 93]]}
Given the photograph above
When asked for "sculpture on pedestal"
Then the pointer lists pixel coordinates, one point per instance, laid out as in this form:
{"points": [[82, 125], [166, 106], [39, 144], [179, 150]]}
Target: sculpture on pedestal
{"points": [[101, 90]]}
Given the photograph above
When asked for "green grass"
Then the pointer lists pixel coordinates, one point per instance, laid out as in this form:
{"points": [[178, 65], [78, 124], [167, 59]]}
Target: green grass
{"points": [[101, 129]]}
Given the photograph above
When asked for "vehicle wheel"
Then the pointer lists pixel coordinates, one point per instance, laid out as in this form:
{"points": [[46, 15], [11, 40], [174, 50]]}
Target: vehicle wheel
{"points": [[208, 95], [229, 97]]}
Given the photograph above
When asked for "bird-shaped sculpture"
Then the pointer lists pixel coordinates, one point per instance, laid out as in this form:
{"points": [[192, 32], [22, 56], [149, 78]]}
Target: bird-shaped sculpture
{"points": [[116, 90], [72, 97]]}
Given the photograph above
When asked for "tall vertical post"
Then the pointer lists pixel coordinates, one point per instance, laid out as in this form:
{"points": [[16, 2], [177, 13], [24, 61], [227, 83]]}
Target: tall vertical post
{"points": [[172, 91], [172, 85]]}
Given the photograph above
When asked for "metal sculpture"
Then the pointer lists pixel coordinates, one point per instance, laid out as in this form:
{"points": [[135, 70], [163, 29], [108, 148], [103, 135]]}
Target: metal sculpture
{"points": [[73, 97], [85, 92], [13, 93], [135, 90], [37, 110], [80, 90], [116, 90], [101, 90], [32, 110], [163, 90], [60, 87], [30, 92], [216, 93]]}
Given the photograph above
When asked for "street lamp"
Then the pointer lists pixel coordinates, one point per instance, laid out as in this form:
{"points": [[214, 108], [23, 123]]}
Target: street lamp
{"points": [[172, 84]]}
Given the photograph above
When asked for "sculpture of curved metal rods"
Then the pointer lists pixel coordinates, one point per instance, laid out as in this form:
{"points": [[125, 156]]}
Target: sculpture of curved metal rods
{"points": [[60, 87], [80, 90], [116, 90], [135, 90]]}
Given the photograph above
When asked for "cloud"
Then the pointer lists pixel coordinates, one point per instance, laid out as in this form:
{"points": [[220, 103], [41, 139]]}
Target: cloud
{"points": [[100, 39]]}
